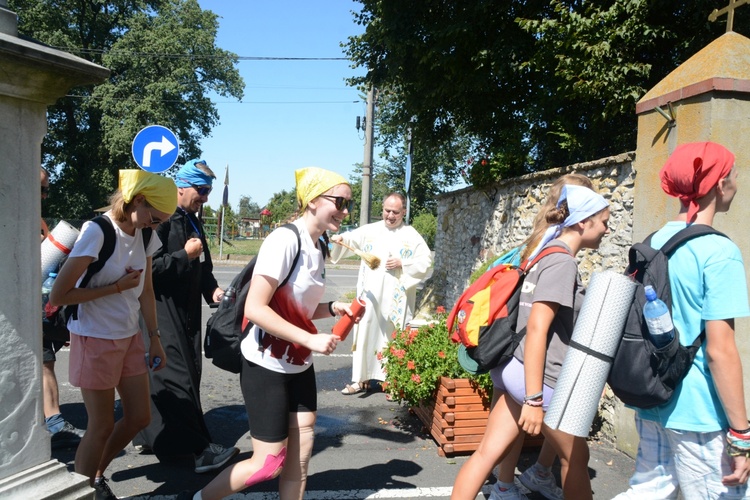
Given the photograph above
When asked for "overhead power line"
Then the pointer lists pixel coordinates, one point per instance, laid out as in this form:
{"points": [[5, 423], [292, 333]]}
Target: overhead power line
{"points": [[79, 50], [218, 102]]}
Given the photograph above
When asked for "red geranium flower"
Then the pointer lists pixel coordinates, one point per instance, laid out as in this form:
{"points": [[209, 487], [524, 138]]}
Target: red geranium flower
{"points": [[410, 365], [440, 310]]}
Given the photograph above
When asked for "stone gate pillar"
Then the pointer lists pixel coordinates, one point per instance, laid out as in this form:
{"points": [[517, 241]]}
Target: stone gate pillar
{"points": [[707, 98], [31, 77]]}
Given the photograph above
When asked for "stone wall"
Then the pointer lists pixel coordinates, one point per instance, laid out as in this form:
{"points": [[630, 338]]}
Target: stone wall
{"points": [[476, 225]]}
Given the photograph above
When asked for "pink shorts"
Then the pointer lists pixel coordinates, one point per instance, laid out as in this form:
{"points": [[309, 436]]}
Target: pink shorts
{"points": [[100, 364]]}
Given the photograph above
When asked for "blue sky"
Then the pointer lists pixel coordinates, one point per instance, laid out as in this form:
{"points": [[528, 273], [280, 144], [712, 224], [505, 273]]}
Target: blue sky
{"points": [[294, 113]]}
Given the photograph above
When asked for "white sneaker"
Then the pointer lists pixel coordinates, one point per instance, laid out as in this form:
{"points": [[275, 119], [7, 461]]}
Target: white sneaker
{"points": [[512, 493], [546, 486], [213, 457]]}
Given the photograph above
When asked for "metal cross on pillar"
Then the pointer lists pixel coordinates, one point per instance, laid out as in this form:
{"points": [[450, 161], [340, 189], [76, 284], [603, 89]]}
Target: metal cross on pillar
{"points": [[729, 11]]}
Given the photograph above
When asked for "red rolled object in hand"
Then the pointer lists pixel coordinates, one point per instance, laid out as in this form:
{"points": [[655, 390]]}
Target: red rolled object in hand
{"points": [[345, 324]]}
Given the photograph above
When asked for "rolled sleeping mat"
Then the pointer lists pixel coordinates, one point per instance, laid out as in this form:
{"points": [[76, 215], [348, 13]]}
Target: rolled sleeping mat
{"points": [[596, 337], [57, 246]]}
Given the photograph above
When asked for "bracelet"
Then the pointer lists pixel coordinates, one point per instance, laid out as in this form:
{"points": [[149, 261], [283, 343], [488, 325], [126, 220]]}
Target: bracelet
{"points": [[740, 433], [538, 396], [535, 403], [330, 308], [737, 447], [117, 285], [156, 332]]}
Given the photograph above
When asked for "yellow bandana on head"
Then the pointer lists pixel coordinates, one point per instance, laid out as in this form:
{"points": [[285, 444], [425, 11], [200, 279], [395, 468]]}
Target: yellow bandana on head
{"points": [[314, 181], [160, 192]]}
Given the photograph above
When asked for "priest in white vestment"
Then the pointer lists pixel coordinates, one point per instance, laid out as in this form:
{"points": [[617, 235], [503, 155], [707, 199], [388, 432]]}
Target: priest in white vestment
{"points": [[388, 291]]}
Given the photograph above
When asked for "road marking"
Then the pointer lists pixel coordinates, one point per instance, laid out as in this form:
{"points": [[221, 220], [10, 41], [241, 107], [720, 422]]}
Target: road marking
{"points": [[438, 492]]}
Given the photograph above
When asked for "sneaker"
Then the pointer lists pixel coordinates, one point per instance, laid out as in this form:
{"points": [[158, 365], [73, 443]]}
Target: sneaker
{"points": [[103, 492], [213, 457], [546, 486], [143, 449], [512, 493], [67, 437]]}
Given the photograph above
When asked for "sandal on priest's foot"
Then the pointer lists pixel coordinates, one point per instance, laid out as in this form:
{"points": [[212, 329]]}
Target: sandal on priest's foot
{"points": [[354, 388]]}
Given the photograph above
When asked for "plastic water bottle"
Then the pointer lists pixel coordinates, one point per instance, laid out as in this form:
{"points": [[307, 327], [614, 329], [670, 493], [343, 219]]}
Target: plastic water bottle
{"points": [[46, 289], [230, 295], [658, 319]]}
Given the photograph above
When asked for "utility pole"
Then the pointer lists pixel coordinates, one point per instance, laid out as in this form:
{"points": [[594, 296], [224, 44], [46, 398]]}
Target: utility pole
{"points": [[364, 215]]}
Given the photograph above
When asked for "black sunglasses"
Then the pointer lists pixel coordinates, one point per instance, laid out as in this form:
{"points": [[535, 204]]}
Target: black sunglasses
{"points": [[201, 190], [340, 202], [45, 190]]}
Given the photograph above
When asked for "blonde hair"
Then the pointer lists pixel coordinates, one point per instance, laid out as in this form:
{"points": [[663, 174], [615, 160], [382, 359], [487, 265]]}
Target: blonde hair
{"points": [[118, 206], [541, 222]]}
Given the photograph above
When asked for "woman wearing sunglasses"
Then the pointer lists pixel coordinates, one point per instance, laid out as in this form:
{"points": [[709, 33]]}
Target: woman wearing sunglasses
{"points": [[107, 350], [278, 378]]}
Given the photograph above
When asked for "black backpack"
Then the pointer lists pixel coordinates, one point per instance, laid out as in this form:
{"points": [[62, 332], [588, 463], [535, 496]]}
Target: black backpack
{"points": [[643, 375], [55, 324], [224, 331]]}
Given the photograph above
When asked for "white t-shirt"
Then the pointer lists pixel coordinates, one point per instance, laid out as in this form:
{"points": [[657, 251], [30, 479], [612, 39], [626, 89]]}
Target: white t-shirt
{"points": [[296, 301], [113, 316]]}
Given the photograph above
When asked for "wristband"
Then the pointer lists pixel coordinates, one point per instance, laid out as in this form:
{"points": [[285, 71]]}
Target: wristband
{"points": [[538, 396], [534, 403], [738, 446], [740, 434], [117, 285], [330, 308]]}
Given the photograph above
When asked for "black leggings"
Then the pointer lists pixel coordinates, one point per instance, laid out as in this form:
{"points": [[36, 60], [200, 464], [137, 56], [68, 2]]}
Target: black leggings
{"points": [[271, 396]]}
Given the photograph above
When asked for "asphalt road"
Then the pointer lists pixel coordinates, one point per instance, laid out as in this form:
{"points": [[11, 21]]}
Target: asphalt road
{"points": [[365, 446]]}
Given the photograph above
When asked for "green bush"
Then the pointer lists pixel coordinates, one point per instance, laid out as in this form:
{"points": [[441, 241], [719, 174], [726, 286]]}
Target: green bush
{"points": [[426, 225]]}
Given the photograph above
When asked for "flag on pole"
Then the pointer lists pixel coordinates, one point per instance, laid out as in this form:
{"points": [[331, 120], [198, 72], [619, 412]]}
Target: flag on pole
{"points": [[225, 199]]}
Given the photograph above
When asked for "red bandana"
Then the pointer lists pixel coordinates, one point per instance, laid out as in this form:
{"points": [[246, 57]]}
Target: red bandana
{"points": [[693, 170]]}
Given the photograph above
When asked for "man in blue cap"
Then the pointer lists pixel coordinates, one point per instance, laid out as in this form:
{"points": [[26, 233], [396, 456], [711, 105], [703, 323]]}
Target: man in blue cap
{"points": [[182, 274]]}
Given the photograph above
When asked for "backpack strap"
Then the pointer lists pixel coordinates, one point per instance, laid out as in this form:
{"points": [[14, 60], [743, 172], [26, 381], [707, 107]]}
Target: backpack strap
{"points": [[526, 265], [295, 230], [682, 236], [690, 232], [106, 251]]}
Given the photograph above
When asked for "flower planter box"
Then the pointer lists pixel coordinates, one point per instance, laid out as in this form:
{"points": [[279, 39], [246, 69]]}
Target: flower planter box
{"points": [[457, 418]]}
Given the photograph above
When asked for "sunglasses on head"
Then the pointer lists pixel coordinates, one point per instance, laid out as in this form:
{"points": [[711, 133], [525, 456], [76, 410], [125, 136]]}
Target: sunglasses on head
{"points": [[201, 190], [340, 202], [45, 190]]}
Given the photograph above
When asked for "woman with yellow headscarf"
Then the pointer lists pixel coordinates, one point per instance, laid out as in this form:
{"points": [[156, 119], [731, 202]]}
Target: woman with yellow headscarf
{"points": [[278, 378], [107, 350]]}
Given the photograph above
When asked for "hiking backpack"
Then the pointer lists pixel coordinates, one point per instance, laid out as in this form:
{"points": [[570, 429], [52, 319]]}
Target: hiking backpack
{"points": [[643, 375], [55, 323], [485, 316], [224, 331]]}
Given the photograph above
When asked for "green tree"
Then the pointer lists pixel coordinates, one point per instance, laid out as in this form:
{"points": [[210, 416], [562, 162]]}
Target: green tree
{"points": [[248, 208], [525, 85], [380, 185], [164, 65], [283, 205], [426, 225]]}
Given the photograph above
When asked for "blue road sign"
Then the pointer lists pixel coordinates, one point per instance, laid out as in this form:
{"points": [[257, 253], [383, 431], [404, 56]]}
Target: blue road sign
{"points": [[155, 148]]}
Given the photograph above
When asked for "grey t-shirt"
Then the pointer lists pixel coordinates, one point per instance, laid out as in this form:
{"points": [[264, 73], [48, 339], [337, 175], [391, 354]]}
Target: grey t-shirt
{"points": [[553, 279]]}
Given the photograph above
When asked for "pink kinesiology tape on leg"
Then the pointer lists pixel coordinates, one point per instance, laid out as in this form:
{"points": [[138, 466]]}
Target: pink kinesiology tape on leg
{"points": [[272, 465]]}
